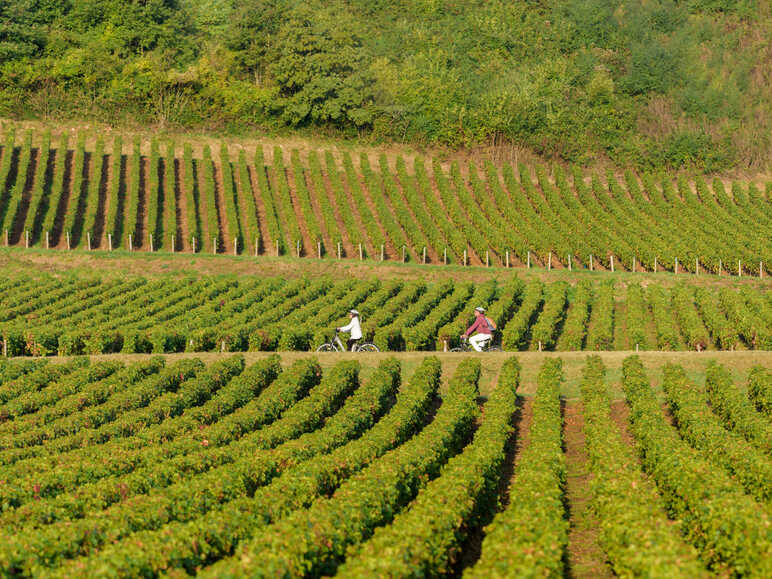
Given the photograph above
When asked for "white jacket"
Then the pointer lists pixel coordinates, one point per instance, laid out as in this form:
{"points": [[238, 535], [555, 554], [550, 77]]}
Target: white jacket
{"points": [[353, 327]]}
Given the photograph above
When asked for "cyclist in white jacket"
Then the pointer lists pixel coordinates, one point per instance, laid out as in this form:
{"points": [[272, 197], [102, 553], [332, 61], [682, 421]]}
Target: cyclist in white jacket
{"points": [[354, 328]]}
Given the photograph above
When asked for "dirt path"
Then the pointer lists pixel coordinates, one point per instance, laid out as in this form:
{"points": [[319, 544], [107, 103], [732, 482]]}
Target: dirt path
{"points": [[309, 244], [180, 206], [389, 248], [102, 194], [267, 242], [143, 227], [57, 239], [585, 557], [472, 547], [16, 234], [432, 253], [313, 196], [223, 235], [345, 238]]}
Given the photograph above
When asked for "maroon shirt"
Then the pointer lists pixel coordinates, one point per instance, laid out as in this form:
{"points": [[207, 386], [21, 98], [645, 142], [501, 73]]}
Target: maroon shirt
{"points": [[479, 326]]}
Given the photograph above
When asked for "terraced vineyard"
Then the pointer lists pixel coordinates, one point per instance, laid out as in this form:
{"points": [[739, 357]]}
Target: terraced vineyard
{"points": [[285, 469], [160, 196], [43, 314]]}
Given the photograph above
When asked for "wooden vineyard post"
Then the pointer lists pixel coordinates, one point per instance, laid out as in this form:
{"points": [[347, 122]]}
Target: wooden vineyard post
{"points": [[361, 253], [719, 267], [339, 250], [110, 241], [403, 253], [487, 259], [298, 247], [173, 240], [507, 262], [529, 260], [48, 243], [539, 345], [739, 268], [761, 269], [569, 262], [277, 248], [88, 240], [549, 261], [465, 257], [445, 256], [676, 266], [151, 241], [611, 258], [633, 264], [68, 240], [235, 246], [319, 249], [655, 264], [590, 262], [696, 266], [424, 255], [382, 252], [131, 245], [5, 348], [26, 238], [214, 245]]}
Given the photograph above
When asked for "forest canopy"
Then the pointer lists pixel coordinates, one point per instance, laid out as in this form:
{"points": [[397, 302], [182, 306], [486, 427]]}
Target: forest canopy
{"points": [[645, 83]]}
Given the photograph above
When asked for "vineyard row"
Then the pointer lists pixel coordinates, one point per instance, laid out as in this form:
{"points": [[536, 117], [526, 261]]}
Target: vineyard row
{"points": [[132, 196], [44, 315], [229, 470]]}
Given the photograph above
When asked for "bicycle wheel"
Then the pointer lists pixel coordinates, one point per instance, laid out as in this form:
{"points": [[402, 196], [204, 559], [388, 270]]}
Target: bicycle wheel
{"points": [[368, 347], [326, 348]]}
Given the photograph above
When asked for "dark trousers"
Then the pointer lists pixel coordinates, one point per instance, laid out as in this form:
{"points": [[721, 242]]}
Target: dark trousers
{"points": [[350, 344]]}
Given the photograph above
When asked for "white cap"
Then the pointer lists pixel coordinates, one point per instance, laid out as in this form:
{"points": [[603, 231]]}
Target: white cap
{"points": [[480, 309], [356, 313]]}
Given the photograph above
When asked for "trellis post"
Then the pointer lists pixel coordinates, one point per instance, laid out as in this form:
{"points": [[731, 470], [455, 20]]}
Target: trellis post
{"points": [[174, 240], [529, 260], [465, 257], [338, 250], [404, 251], [26, 238], [131, 244], [424, 255], [655, 264], [739, 268], [611, 258], [676, 266], [88, 240], [761, 269], [549, 261], [590, 262], [110, 241], [68, 240], [214, 245], [48, 242], [569, 262], [361, 253], [445, 256], [194, 244], [633, 264], [297, 247], [487, 259], [696, 266], [719, 267], [382, 252], [319, 249], [277, 248], [235, 246], [151, 241], [507, 259]]}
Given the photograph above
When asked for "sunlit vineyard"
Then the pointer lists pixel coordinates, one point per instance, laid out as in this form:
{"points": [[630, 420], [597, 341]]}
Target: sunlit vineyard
{"points": [[280, 468], [109, 193], [43, 315]]}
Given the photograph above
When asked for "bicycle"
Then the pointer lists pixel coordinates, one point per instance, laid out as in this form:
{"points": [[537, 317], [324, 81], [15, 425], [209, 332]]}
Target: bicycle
{"points": [[336, 345], [488, 346]]}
